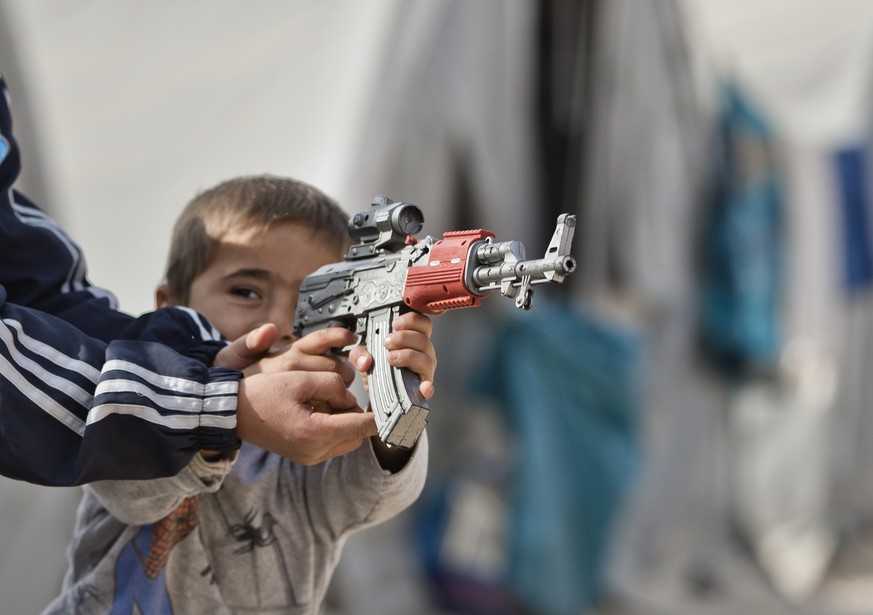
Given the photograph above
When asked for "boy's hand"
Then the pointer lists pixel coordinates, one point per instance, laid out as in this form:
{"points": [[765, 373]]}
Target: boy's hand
{"points": [[409, 346], [275, 411], [254, 354]]}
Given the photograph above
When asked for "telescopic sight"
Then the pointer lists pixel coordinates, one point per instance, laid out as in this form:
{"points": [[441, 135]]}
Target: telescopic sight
{"points": [[407, 219]]}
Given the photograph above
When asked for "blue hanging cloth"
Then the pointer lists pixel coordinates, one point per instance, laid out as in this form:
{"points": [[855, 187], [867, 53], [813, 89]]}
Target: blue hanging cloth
{"points": [[742, 244], [851, 166], [570, 385]]}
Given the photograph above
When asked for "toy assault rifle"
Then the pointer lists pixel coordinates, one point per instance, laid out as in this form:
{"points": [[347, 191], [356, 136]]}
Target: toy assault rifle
{"points": [[389, 272]]}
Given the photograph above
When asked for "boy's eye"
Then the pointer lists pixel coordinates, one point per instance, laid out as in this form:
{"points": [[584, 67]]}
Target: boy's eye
{"points": [[245, 293]]}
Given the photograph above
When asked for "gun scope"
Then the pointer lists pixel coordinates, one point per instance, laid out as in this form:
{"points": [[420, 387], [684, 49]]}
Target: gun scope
{"points": [[386, 224]]}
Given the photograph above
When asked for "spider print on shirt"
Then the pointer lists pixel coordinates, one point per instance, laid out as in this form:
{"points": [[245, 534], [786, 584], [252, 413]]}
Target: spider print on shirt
{"points": [[253, 536]]}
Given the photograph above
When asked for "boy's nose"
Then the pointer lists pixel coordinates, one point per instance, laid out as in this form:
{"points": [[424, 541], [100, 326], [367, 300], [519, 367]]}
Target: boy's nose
{"points": [[283, 318], [285, 338]]}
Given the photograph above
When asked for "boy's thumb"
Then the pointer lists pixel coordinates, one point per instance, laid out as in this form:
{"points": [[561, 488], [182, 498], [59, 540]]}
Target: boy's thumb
{"points": [[243, 351]]}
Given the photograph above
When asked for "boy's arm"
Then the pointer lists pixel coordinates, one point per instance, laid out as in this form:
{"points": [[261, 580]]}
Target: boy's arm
{"points": [[353, 492], [75, 409], [140, 502]]}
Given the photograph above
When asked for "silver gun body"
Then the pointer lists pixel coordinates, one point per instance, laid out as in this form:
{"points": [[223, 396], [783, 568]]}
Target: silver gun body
{"points": [[366, 296], [366, 293]]}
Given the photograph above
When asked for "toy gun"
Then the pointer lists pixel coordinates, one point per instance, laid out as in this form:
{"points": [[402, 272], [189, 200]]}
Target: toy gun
{"points": [[389, 272]]}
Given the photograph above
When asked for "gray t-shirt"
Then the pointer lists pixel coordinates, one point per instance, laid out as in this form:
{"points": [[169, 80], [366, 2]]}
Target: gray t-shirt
{"points": [[261, 535]]}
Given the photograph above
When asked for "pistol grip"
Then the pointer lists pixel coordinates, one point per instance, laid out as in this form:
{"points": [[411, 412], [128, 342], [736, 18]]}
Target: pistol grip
{"points": [[395, 396]]}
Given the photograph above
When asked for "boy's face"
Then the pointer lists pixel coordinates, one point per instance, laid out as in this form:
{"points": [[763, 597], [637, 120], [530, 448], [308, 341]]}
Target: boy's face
{"points": [[254, 279]]}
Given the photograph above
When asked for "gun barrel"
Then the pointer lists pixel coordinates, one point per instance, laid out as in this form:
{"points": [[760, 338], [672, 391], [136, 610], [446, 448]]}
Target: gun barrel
{"points": [[490, 277], [488, 253]]}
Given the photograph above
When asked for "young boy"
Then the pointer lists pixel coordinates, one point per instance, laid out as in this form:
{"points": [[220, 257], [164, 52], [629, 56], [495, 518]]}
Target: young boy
{"points": [[256, 533]]}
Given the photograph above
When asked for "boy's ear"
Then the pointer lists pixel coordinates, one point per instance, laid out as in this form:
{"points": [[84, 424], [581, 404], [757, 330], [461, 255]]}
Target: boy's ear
{"points": [[162, 296]]}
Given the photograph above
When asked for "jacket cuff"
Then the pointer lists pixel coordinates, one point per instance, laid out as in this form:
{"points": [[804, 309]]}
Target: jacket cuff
{"points": [[217, 425]]}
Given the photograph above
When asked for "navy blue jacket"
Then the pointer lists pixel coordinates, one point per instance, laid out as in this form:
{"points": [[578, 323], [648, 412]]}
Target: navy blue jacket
{"points": [[87, 392]]}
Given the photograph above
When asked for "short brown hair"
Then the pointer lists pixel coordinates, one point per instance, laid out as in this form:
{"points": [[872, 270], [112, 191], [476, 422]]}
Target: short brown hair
{"points": [[249, 203]]}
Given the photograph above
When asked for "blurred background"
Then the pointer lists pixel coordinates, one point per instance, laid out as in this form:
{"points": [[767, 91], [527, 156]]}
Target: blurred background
{"points": [[682, 427]]}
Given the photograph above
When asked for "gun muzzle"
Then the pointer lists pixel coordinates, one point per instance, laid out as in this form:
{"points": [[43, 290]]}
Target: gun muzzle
{"points": [[540, 271]]}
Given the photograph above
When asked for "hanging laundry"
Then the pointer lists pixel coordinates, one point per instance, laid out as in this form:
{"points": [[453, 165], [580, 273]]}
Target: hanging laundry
{"points": [[570, 384], [742, 243], [851, 168]]}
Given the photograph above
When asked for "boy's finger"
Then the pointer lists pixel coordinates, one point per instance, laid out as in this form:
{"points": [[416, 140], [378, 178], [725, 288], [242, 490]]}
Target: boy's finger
{"points": [[427, 389], [260, 340], [419, 362], [361, 358], [328, 387], [348, 425], [297, 360], [244, 351], [323, 340], [329, 364], [410, 340], [413, 321]]}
